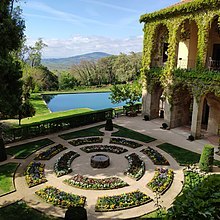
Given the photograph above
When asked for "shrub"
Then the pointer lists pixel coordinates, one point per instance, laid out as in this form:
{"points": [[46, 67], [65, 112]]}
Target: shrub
{"points": [[78, 213], [109, 125], [206, 159], [198, 202], [3, 155]]}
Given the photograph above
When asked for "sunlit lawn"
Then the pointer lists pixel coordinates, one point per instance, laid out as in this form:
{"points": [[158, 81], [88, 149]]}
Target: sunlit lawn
{"points": [[93, 131], [22, 151], [127, 133], [183, 157], [6, 178]]}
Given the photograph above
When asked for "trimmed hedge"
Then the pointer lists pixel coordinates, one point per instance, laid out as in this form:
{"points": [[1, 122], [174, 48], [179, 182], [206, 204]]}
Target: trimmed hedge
{"points": [[57, 124], [207, 158]]}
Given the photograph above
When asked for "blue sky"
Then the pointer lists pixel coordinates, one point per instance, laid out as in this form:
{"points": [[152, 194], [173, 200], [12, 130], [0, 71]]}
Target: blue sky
{"points": [[73, 27]]}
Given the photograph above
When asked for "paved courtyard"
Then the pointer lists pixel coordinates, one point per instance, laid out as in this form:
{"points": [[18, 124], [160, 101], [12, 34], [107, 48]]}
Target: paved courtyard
{"points": [[81, 165]]}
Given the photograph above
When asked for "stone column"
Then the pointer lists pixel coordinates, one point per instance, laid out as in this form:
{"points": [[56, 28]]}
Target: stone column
{"points": [[197, 117], [150, 102], [214, 116]]}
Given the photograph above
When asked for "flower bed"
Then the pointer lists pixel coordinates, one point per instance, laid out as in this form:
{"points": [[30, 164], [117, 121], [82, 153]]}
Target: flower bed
{"points": [[120, 202], [136, 166], [62, 166], [103, 148], [125, 142], [34, 174], [51, 152], [83, 182], [82, 141], [162, 180], [155, 156], [60, 198]]}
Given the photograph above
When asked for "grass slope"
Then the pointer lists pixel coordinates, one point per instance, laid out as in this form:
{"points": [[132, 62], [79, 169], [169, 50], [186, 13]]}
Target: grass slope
{"points": [[6, 178], [24, 150]]}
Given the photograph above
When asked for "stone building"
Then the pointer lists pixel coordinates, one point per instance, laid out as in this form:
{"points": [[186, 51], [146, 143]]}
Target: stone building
{"points": [[181, 65]]}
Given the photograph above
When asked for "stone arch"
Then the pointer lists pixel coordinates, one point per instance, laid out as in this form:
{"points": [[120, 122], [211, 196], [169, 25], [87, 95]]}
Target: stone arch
{"points": [[180, 111], [211, 113], [213, 47], [187, 44], [154, 104], [160, 45]]}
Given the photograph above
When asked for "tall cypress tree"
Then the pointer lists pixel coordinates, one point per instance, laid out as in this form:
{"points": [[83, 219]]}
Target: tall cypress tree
{"points": [[11, 35]]}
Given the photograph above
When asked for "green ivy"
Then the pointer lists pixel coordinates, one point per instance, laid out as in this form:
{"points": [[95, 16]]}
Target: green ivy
{"points": [[202, 81]]}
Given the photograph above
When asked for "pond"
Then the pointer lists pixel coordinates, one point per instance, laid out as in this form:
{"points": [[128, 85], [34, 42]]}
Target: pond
{"points": [[95, 101]]}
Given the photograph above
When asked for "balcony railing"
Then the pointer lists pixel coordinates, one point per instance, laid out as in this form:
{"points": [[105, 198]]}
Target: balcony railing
{"points": [[213, 64], [190, 64]]}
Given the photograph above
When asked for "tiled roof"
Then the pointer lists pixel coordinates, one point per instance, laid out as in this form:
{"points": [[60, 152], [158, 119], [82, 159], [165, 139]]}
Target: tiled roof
{"points": [[180, 3]]}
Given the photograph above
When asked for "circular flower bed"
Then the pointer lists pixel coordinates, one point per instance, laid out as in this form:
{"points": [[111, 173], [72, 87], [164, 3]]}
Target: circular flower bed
{"points": [[125, 142], [136, 166], [162, 180], [84, 182], [83, 141], [51, 152], [120, 202], [155, 156], [63, 164], [34, 174], [103, 148], [60, 198]]}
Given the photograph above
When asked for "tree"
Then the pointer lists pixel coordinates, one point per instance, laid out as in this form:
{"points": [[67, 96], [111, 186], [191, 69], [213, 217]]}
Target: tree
{"points": [[67, 81], [35, 53], [11, 35], [128, 93]]}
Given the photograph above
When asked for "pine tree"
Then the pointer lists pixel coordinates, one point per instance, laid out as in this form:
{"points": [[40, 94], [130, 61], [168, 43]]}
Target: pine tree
{"points": [[11, 35]]}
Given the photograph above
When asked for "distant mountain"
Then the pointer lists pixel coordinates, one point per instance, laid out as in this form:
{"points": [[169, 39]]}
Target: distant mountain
{"points": [[66, 63]]}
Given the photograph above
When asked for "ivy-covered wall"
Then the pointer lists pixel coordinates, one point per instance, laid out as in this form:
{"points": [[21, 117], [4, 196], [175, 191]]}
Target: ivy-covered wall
{"points": [[202, 12]]}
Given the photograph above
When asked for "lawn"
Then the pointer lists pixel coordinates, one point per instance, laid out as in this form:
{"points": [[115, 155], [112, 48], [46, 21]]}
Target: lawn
{"points": [[127, 133], [94, 131], [39, 104], [6, 178], [22, 151], [53, 115], [20, 211], [183, 157]]}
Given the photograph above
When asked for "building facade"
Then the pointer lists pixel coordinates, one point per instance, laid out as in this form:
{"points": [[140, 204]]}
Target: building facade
{"points": [[181, 65]]}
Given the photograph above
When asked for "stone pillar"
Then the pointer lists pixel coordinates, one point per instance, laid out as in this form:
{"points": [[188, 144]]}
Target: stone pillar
{"points": [[167, 113], [150, 104], [197, 117], [214, 116]]}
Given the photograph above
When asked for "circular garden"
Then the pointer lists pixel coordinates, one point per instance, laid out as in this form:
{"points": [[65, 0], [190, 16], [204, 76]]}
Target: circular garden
{"points": [[101, 173]]}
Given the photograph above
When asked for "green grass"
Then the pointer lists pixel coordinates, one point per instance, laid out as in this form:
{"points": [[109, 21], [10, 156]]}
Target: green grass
{"points": [[39, 104], [152, 215], [94, 131], [127, 133], [81, 90], [183, 157], [53, 115], [24, 150], [6, 178], [20, 211]]}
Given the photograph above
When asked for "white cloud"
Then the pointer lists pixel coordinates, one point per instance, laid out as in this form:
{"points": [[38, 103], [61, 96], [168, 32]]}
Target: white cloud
{"points": [[113, 6], [54, 14], [76, 45]]}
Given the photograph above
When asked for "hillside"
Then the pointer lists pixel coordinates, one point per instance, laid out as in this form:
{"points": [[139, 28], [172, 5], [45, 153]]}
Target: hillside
{"points": [[66, 63]]}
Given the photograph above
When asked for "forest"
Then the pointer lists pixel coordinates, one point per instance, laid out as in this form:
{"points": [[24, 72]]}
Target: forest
{"points": [[115, 69]]}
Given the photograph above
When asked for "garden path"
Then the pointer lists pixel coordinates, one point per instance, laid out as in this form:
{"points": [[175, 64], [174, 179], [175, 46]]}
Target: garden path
{"points": [[117, 167]]}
